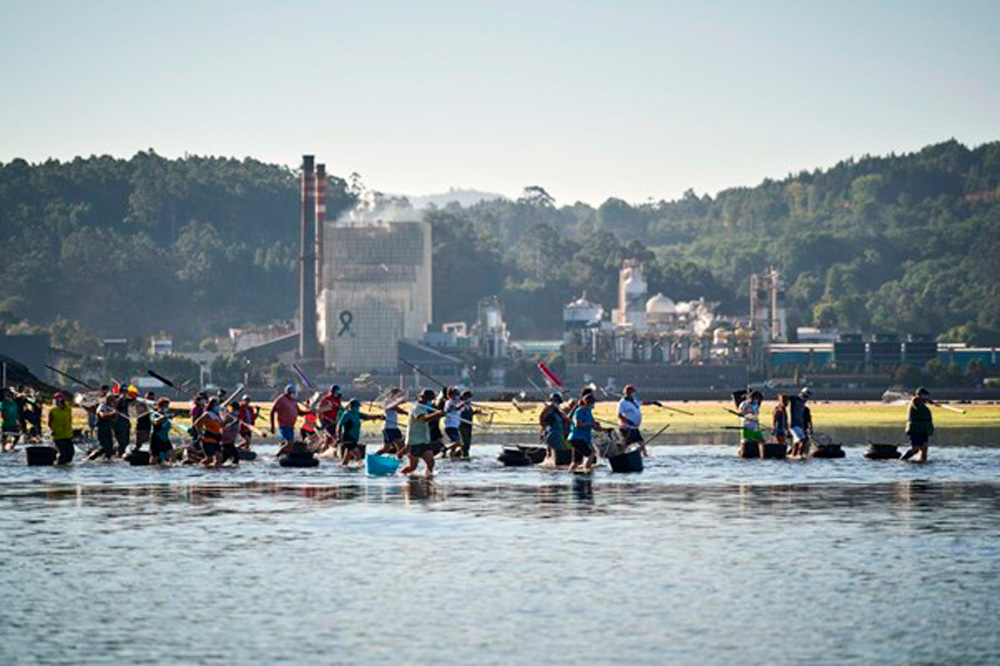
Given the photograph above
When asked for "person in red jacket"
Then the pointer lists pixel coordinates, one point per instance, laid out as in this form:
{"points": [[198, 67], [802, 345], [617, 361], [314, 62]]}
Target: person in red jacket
{"points": [[329, 413]]}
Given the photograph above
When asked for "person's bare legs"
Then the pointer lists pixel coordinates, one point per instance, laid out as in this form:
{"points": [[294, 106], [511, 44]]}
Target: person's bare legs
{"points": [[429, 462], [414, 461]]}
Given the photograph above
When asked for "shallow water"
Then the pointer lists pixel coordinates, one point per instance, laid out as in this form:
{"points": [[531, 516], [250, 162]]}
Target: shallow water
{"points": [[702, 559]]}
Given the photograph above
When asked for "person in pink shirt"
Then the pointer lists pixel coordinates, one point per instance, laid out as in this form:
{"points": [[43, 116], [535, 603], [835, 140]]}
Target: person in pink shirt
{"points": [[286, 411]]}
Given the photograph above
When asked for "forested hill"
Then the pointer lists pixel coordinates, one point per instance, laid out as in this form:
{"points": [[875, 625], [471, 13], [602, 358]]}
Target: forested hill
{"points": [[192, 246], [135, 247], [907, 243]]}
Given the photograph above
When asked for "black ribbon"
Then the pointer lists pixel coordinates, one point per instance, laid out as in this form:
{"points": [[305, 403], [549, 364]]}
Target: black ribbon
{"points": [[346, 317]]}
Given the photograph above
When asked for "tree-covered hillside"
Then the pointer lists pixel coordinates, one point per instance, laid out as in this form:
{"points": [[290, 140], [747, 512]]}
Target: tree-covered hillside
{"points": [[135, 247], [191, 246], [903, 243]]}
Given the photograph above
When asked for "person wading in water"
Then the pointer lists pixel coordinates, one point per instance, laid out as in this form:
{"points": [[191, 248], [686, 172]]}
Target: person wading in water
{"points": [[61, 425], [11, 428], [418, 434], [349, 431], [553, 424], [580, 437], [465, 426], [629, 419], [285, 410], [919, 426], [799, 421]]}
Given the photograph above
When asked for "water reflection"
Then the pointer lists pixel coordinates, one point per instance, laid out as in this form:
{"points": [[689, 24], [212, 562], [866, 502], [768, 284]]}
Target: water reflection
{"points": [[546, 499]]}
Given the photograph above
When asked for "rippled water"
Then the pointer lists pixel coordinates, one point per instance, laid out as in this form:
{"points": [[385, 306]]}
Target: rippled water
{"points": [[702, 559]]}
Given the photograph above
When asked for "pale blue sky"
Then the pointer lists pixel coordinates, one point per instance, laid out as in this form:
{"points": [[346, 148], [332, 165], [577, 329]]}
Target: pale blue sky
{"points": [[588, 99]]}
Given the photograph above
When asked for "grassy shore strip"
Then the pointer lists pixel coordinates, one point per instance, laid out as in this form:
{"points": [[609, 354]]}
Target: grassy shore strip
{"points": [[713, 415], [705, 415]]}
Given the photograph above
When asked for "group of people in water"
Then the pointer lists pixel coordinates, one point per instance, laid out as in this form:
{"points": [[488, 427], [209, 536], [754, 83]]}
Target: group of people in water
{"points": [[791, 419], [440, 423], [571, 426]]}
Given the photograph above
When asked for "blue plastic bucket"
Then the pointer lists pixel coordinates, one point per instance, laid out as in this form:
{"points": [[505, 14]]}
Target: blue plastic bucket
{"points": [[381, 465]]}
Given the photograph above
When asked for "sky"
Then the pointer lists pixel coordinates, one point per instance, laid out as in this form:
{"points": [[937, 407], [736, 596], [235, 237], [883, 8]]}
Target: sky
{"points": [[630, 99]]}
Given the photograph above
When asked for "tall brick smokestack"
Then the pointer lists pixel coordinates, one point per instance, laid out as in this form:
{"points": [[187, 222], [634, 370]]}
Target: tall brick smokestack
{"points": [[308, 344], [320, 222]]}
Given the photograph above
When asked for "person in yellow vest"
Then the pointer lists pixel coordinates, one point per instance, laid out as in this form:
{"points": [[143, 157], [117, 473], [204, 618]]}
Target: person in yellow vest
{"points": [[61, 425]]}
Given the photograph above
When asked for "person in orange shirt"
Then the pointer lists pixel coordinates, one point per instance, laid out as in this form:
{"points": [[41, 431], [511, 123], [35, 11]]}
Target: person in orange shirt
{"points": [[211, 433]]}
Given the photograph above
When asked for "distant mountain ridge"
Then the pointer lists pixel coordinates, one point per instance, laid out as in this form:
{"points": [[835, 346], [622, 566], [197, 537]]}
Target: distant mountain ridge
{"points": [[460, 195]]}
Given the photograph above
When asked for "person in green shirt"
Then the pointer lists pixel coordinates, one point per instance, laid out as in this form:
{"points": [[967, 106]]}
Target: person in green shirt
{"points": [[418, 434], [919, 425], [11, 428], [349, 431], [61, 425]]}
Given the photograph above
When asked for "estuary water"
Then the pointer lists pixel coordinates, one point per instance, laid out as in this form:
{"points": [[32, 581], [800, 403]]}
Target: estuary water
{"points": [[701, 559]]}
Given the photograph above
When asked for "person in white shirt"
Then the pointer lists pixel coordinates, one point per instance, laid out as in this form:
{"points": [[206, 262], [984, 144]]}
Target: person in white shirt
{"points": [[749, 411], [452, 420], [630, 418]]}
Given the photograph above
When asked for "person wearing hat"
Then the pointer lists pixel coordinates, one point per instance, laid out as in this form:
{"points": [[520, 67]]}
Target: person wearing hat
{"points": [[799, 421], [418, 433], [919, 425], [553, 424], [349, 431], [580, 435], [286, 411], [61, 425]]}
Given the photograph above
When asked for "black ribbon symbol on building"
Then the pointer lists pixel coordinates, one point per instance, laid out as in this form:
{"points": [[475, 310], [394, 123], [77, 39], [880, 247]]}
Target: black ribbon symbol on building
{"points": [[346, 317]]}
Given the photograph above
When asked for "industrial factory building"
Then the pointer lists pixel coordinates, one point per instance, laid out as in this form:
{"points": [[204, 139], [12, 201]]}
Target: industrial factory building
{"points": [[375, 290], [364, 285]]}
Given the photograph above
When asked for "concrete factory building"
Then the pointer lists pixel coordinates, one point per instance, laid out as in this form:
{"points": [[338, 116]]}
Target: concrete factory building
{"points": [[374, 290]]}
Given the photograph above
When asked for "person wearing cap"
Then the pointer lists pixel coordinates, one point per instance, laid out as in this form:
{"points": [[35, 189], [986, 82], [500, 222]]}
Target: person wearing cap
{"points": [[286, 411], [580, 435], [553, 424], [329, 407], [349, 431], [61, 425], [800, 421], [919, 425], [418, 433], [630, 418]]}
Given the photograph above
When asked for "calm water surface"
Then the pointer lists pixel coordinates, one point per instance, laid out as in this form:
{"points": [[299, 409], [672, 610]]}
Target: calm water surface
{"points": [[702, 559]]}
